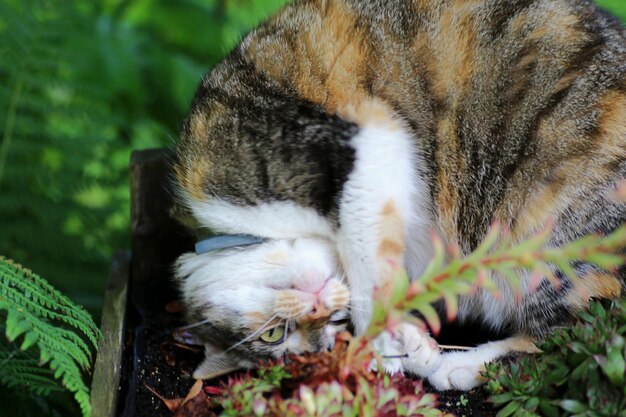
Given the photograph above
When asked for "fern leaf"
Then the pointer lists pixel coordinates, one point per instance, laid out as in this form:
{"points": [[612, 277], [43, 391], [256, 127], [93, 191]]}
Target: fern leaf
{"points": [[22, 369], [42, 317]]}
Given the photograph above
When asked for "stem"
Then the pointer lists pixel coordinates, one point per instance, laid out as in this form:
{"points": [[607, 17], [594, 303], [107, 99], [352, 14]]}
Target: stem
{"points": [[10, 124]]}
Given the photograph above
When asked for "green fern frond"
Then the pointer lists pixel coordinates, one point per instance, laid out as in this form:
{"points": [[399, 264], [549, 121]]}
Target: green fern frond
{"points": [[38, 315], [22, 369]]}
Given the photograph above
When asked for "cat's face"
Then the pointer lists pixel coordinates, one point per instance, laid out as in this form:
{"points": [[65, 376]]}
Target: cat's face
{"points": [[264, 301]]}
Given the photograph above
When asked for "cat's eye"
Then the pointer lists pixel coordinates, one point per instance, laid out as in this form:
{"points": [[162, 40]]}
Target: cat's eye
{"points": [[274, 335]]}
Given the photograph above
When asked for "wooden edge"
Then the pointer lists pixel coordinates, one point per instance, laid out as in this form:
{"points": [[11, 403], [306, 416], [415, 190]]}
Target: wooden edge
{"points": [[106, 376]]}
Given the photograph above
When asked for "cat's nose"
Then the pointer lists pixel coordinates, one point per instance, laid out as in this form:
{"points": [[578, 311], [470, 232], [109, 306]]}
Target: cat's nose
{"points": [[318, 311]]}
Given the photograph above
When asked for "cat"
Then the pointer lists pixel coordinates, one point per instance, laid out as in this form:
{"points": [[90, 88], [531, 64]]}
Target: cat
{"points": [[340, 133]]}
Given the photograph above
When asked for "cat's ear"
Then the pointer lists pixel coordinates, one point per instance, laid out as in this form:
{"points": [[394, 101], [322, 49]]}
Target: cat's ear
{"points": [[215, 363]]}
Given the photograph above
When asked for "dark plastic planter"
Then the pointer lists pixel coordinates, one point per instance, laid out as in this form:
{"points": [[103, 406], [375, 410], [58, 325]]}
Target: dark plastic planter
{"points": [[136, 297]]}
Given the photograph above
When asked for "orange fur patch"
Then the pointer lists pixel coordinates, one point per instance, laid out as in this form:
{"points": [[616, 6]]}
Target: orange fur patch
{"points": [[596, 285], [391, 247], [447, 156], [326, 63], [196, 177], [456, 51], [568, 174], [256, 319], [613, 125], [559, 26], [392, 226]]}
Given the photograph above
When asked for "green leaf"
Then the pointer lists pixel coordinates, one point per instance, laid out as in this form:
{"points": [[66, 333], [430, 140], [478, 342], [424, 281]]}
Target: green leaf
{"points": [[531, 404], [16, 327], [510, 408], [573, 406], [502, 398], [400, 285], [431, 316], [614, 366], [548, 409], [29, 340], [54, 325]]}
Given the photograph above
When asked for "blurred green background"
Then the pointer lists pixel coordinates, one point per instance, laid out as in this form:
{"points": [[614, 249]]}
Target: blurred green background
{"points": [[82, 83]]}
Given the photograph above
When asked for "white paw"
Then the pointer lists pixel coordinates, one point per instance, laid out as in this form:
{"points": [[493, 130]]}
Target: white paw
{"points": [[453, 375], [422, 351], [461, 370], [390, 349]]}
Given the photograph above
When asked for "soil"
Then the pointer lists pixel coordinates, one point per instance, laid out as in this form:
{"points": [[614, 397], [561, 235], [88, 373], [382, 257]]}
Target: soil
{"points": [[465, 404], [155, 363], [154, 360]]}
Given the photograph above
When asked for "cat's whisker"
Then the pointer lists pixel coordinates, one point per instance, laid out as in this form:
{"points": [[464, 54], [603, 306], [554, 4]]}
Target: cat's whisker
{"points": [[286, 330], [254, 334], [358, 310], [196, 324], [343, 278]]}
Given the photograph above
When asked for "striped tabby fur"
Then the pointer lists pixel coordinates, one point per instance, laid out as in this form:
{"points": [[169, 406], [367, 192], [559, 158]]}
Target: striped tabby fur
{"points": [[367, 123]]}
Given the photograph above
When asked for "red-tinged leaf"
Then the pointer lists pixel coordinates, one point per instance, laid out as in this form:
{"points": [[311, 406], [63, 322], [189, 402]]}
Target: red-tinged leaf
{"points": [[191, 348], [566, 268], [414, 289], [452, 306], [393, 320], [432, 318], [436, 262], [214, 390], [606, 260], [172, 404], [489, 241], [481, 279], [169, 354], [536, 279], [454, 250], [194, 407], [194, 391], [195, 403], [258, 407], [400, 281]]}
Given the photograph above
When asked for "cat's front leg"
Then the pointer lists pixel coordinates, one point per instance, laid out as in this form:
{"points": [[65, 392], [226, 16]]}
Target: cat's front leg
{"points": [[462, 370], [376, 206], [381, 202]]}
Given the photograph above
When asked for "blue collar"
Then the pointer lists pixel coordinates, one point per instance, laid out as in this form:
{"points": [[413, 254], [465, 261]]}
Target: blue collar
{"points": [[220, 242]]}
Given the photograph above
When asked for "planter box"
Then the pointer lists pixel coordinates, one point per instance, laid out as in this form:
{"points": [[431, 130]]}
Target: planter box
{"points": [[138, 291]]}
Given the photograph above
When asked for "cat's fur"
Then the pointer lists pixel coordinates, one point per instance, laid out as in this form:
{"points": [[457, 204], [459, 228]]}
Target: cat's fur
{"points": [[345, 131]]}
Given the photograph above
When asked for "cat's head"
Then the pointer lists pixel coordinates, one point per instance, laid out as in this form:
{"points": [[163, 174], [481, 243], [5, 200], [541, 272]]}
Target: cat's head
{"points": [[263, 302]]}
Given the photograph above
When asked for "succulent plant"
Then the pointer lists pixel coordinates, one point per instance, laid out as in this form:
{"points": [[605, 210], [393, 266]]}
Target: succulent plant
{"points": [[580, 372]]}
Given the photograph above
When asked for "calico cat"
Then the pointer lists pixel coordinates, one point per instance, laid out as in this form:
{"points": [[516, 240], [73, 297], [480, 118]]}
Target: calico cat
{"points": [[341, 133]]}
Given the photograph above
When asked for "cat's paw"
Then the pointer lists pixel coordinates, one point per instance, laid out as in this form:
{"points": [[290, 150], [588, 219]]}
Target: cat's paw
{"points": [[455, 375], [422, 352], [462, 370], [407, 349], [389, 348]]}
